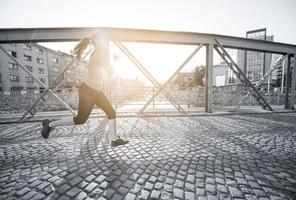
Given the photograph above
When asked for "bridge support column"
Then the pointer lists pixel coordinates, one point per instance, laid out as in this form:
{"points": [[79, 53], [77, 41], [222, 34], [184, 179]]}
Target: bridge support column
{"points": [[209, 78], [293, 86], [287, 82]]}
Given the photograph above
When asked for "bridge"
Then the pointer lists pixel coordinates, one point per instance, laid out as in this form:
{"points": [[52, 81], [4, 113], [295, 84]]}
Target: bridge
{"points": [[202, 153]]}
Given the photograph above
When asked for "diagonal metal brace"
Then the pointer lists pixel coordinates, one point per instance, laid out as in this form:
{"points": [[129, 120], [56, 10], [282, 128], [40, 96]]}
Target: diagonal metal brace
{"points": [[148, 75], [171, 77], [235, 68], [259, 83]]}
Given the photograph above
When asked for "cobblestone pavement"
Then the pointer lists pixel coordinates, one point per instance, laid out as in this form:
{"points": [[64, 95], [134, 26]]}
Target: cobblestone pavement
{"points": [[217, 157]]}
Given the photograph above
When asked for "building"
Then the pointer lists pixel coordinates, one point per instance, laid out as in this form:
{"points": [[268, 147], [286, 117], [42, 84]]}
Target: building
{"points": [[221, 74], [13, 78], [255, 64], [43, 62]]}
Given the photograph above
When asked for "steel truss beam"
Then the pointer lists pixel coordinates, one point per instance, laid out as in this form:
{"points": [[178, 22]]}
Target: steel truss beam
{"points": [[36, 78], [21, 35], [241, 76], [148, 75], [259, 83]]}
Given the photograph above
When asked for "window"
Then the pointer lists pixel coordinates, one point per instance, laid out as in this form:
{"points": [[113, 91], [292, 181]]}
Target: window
{"points": [[14, 78], [16, 88], [13, 53], [29, 79], [55, 69], [42, 80], [12, 66], [55, 60], [40, 51], [31, 88], [27, 47], [40, 70], [40, 60], [30, 68], [27, 57]]}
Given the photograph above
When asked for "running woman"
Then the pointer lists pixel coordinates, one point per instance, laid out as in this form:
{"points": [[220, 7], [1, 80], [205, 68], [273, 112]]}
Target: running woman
{"points": [[90, 91]]}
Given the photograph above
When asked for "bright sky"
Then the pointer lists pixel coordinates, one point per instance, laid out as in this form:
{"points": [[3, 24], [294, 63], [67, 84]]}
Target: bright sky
{"points": [[227, 17]]}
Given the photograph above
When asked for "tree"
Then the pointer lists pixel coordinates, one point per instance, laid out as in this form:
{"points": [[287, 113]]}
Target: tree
{"points": [[198, 75]]}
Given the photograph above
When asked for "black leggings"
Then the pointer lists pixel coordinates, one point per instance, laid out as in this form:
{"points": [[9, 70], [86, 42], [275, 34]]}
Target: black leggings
{"points": [[88, 97]]}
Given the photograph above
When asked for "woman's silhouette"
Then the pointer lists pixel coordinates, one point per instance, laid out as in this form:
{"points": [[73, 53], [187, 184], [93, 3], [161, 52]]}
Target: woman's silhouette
{"points": [[90, 91]]}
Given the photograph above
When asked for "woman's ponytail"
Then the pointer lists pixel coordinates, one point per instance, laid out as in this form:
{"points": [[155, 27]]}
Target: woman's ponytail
{"points": [[81, 46]]}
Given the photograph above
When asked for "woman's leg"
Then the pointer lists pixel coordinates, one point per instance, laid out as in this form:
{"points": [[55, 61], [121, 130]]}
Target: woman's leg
{"points": [[102, 102], [85, 106], [65, 121]]}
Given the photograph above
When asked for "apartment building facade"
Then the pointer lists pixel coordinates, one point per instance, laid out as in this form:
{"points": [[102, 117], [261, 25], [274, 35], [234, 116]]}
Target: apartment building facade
{"points": [[43, 62]]}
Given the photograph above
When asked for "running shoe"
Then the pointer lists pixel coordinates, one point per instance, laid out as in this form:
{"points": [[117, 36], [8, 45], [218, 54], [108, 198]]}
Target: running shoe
{"points": [[45, 128], [118, 142]]}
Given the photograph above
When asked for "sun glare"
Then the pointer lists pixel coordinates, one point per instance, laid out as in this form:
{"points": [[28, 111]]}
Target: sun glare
{"points": [[159, 59]]}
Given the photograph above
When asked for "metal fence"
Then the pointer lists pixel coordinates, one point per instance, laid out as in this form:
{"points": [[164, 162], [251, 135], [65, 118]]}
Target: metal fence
{"points": [[224, 96]]}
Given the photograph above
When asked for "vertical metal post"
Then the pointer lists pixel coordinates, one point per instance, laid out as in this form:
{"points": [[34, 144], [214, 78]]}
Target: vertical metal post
{"points": [[268, 84], [209, 77], [283, 75], [287, 82], [293, 84], [153, 98], [188, 100]]}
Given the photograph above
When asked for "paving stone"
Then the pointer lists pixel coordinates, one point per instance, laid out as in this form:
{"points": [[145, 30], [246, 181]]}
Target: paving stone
{"points": [[200, 191], [100, 179], [179, 193], [211, 188], [128, 184], [43, 185], [148, 186], [64, 197], [189, 195], [220, 180], [199, 174], [29, 195], [158, 185], [259, 193], [136, 189], [179, 183], [222, 188], [73, 192], [81, 195], [155, 194], [189, 187], [130, 196], [90, 178], [254, 185], [90, 187], [211, 197], [75, 181], [123, 190], [38, 196], [116, 197], [144, 194], [23, 191], [235, 192]]}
